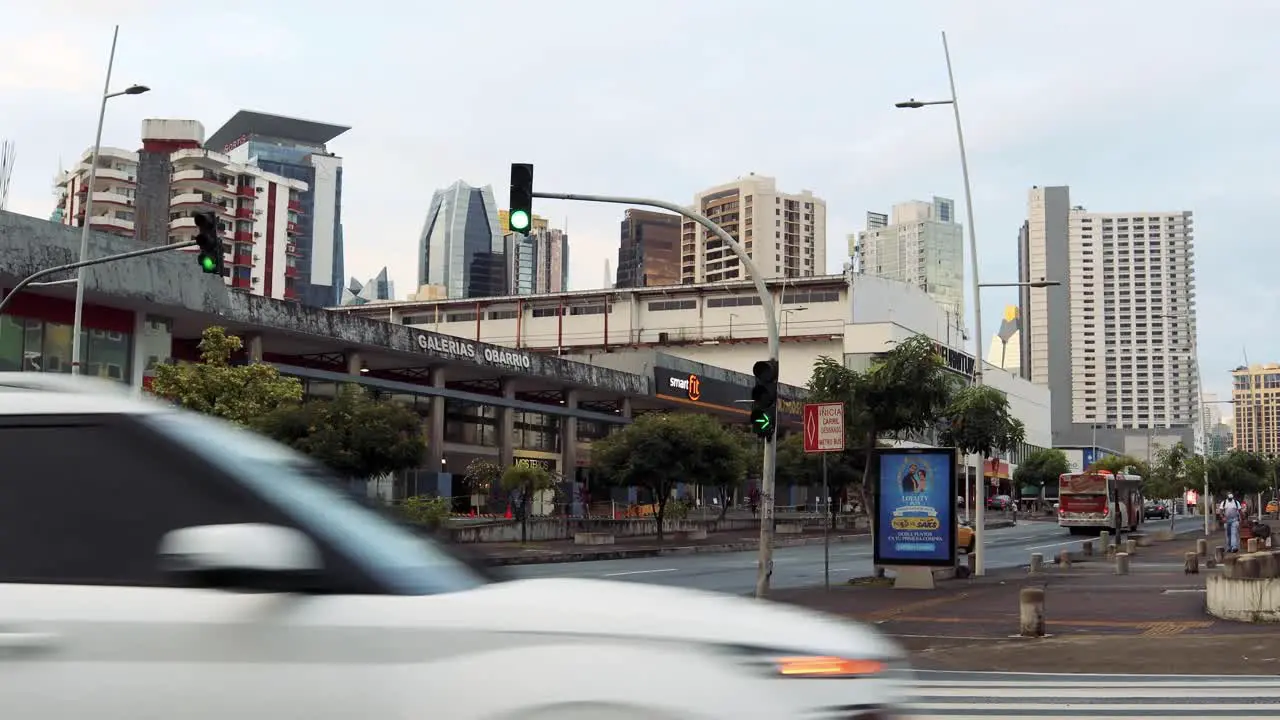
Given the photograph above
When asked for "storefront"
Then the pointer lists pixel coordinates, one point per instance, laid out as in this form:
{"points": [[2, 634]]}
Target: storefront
{"points": [[36, 336]]}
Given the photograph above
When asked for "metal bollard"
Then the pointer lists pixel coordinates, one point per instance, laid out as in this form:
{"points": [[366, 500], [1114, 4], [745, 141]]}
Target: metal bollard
{"points": [[1192, 563], [1064, 559], [1037, 563], [1202, 547], [1251, 545], [1131, 546], [1087, 548], [1219, 554], [1122, 563], [1104, 538], [1031, 612], [1111, 551]]}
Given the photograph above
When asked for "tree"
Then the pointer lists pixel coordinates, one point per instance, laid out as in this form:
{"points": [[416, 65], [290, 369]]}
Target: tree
{"points": [[1041, 469], [899, 395], [213, 386], [481, 475], [354, 434], [1168, 476], [977, 421], [752, 457], [1121, 464], [798, 467], [660, 450], [521, 482], [425, 510]]}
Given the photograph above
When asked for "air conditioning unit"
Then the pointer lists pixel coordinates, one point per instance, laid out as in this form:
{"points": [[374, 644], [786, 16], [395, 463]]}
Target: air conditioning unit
{"points": [[258, 280], [257, 234], [257, 212], [664, 337]]}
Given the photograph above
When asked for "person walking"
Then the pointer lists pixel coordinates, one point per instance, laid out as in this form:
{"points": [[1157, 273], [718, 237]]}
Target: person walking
{"points": [[1231, 511]]}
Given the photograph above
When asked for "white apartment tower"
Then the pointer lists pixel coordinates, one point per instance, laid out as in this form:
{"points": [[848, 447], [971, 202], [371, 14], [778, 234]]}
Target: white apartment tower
{"points": [[785, 234], [1116, 341], [919, 243]]}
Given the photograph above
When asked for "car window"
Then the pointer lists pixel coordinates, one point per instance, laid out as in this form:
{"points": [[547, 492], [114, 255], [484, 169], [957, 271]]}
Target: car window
{"points": [[86, 501], [396, 556]]}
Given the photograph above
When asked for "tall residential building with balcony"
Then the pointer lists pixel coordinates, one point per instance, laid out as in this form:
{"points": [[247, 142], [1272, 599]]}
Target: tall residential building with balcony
{"points": [[920, 243], [1255, 392], [784, 234], [153, 194], [298, 150], [648, 249], [537, 262], [1115, 341], [461, 245]]}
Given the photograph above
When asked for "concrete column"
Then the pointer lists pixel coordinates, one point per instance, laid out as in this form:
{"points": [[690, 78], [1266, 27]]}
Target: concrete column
{"points": [[253, 348], [354, 362], [435, 441], [506, 426], [569, 450], [624, 405]]}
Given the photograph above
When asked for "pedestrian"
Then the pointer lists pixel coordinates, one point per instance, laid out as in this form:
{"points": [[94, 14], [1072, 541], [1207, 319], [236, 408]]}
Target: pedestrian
{"points": [[1231, 511]]}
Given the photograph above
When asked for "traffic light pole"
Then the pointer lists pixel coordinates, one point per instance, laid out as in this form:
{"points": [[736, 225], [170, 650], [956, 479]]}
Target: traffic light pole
{"points": [[88, 263], [764, 568]]}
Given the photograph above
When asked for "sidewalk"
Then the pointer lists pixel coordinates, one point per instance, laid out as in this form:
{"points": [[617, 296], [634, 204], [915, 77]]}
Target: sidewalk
{"points": [[1151, 620], [628, 548]]}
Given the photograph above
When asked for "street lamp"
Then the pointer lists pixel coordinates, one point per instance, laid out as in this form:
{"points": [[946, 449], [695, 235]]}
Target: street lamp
{"points": [[979, 555], [786, 319], [86, 224]]}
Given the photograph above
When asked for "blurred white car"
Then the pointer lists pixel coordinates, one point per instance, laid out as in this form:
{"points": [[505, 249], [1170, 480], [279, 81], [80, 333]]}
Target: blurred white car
{"points": [[157, 563]]}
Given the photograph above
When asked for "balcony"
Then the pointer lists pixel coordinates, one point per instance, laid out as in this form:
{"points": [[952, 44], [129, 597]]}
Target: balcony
{"points": [[247, 191], [197, 176], [204, 200], [291, 228], [292, 249], [110, 223], [112, 198], [116, 175], [243, 236], [241, 283], [292, 294], [295, 206], [244, 213], [292, 271], [243, 258]]}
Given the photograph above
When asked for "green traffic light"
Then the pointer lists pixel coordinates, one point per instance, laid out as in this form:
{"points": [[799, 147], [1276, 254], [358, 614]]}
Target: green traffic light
{"points": [[764, 421], [519, 220], [206, 263]]}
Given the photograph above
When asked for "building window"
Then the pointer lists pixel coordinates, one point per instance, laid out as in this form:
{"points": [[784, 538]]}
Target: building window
{"points": [[35, 346]]}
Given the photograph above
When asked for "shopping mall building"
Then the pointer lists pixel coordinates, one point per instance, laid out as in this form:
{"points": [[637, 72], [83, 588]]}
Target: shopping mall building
{"points": [[478, 398]]}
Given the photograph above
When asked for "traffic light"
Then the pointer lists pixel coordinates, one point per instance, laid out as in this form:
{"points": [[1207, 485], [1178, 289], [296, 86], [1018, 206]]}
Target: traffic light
{"points": [[521, 218], [764, 399], [209, 242]]}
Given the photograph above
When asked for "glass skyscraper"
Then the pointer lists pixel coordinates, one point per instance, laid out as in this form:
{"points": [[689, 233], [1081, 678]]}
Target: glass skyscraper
{"points": [[461, 246]]}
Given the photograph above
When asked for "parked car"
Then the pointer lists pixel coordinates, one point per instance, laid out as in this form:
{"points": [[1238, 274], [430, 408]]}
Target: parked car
{"points": [[1156, 510], [999, 502]]}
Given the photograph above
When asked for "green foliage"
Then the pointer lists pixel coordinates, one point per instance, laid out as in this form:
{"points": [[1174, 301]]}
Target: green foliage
{"points": [[1170, 474], [1121, 464], [1041, 469], [659, 450], [1243, 473], [481, 476], [354, 434], [978, 422], [426, 510], [521, 482], [239, 393]]}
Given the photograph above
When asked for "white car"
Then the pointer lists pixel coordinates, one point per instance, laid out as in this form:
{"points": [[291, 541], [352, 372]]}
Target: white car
{"points": [[156, 563]]}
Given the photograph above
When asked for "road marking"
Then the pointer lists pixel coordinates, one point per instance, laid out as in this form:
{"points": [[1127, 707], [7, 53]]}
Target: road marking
{"points": [[639, 572], [1183, 590], [1054, 545]]}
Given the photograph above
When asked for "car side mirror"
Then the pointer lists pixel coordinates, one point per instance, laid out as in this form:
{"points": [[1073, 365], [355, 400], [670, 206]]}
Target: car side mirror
{"points": [[245, 556]]}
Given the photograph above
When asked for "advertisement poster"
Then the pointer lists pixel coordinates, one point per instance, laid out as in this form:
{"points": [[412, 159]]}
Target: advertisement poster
{"points": [[915, 507]]}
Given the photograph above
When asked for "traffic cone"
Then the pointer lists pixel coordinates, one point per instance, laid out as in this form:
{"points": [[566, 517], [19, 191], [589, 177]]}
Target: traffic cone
{"points": [[508, 515], [473, 512]]}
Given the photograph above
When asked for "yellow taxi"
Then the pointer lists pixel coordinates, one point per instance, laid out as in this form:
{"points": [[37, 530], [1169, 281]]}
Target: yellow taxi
{"points": [[1273, 506], [965, 539]]}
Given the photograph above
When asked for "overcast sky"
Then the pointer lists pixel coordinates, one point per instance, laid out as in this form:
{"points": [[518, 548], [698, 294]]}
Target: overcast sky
{"points": [[1136, 104]]}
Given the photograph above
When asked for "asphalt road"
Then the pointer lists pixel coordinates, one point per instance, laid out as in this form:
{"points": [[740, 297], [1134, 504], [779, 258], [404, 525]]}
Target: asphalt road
{"points": [[798, 567], [965, 695]]}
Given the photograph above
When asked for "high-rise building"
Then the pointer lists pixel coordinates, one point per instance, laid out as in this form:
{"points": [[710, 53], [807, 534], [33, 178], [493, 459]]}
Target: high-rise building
{"points": [[785, 234], [504, 221], [537, 262], [461, 246], [920, 243], [378, 289], [648, 249], [1217, 430], [1255, 392], [152, 195], [1006, 346], [1115, 341], [297, 149]]}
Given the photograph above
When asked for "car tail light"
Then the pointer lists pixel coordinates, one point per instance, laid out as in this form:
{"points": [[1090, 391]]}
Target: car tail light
{"points": [[826, 666]]}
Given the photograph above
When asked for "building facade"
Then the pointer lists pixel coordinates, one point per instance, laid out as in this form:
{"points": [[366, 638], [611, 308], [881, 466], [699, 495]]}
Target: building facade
{"points": [[377, 289], [1006, 346], [152, 195], [784, 234], [537, 262], [919, 243], [461, 246], [1255, 393], [648, 249], [1115, 341], [297, 149]]}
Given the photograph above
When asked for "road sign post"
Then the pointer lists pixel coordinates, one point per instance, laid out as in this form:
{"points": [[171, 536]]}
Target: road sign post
{"points": [[824, 433]]}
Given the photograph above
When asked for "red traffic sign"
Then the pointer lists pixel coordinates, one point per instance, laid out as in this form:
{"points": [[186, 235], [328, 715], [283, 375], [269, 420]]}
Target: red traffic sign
{"points": [[823, 427]]}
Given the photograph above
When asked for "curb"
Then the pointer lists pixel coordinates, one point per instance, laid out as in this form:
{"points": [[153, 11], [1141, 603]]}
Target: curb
{"points": [[636, 553]]}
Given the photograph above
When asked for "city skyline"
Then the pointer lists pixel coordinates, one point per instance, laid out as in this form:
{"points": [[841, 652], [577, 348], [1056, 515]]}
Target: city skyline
{"points": [[1024, 120]]}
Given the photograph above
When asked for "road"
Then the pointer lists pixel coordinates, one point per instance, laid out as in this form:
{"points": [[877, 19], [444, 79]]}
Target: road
{"points": [[974, 695], [798, 567]]}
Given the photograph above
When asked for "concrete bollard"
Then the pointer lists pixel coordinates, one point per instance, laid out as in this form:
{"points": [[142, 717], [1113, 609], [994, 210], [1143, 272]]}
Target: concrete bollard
{"points": [[1202, 547], [1104, 538], [1192, 563], [1111, 551], [1131, 546], [1230, 567], [1037, 563], [1064, 559], [1247, 567], [1267, 566], [1031, 612], [972, 561], [1251, 545], [1219, 554], [1122, 563], [1087, 548]]}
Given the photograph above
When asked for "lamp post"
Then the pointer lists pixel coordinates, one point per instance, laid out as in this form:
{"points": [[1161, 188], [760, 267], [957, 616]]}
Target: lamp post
{"points": [[86, 224], [980, 503]]}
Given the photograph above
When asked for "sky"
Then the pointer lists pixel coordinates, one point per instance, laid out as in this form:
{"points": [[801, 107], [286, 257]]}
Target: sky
{"points": [[1136, 105]]}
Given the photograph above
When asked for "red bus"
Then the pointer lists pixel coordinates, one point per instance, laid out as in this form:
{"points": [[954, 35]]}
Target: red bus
{"points": [[1090, 501]]}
